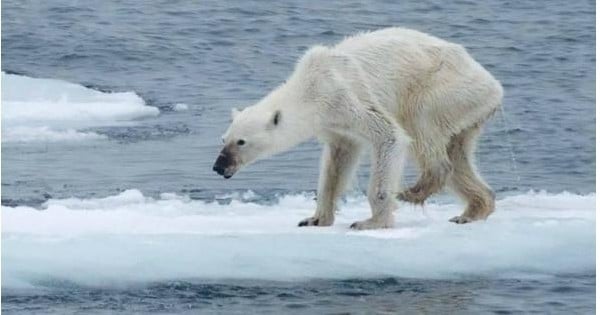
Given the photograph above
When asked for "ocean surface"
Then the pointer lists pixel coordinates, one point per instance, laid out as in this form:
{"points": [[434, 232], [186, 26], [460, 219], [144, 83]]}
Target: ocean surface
{"points": [[112, 113]]}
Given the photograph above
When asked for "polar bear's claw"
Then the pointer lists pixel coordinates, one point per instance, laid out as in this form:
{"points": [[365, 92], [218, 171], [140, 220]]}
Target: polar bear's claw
{"points": [[312, 221], [461, 219], [308, 222]]}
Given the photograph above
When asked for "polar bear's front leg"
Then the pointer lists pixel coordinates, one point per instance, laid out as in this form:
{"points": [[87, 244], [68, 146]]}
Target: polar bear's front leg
{"points": [[390, 144], [339, 160], [385, 175], [348, 115]]}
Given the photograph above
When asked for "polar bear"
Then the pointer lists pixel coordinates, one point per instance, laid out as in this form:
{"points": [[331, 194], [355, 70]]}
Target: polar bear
{"points": [[396, 91]]}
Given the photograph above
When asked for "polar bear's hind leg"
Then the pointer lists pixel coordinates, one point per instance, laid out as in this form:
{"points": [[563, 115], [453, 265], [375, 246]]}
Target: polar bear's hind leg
{"points": [[465, 180], [435, 166], [432, 180]]}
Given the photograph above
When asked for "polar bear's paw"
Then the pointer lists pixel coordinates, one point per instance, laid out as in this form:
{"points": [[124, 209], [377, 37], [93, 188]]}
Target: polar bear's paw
{"points": [[316, 221], [461, 219], [413, 196], [372, 223]]}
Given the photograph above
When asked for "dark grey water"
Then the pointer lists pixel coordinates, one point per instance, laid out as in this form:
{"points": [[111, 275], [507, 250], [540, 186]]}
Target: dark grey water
{"points": [[353, 296], [215, 55]]}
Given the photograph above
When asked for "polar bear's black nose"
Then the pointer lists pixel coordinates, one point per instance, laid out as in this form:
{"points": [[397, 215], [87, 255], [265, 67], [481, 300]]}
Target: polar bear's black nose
{"points": [[220, 170], [222, 163]]}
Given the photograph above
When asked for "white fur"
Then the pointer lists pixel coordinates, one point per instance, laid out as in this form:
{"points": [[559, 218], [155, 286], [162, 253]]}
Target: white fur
{"points": [[394, 90]]}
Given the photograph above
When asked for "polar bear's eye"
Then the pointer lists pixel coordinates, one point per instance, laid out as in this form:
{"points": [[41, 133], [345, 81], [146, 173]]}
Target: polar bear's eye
{"points": [[276, 118], [241, 142]]}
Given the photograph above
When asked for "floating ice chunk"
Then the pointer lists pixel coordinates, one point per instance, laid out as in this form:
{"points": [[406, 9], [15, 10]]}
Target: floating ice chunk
{"points": [[179, 107], [54, 110], [45, 134], [130, 237]]}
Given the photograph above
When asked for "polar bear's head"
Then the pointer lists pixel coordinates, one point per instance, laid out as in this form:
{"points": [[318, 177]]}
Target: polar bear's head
{"points": [[287, 116], [253, 134]]}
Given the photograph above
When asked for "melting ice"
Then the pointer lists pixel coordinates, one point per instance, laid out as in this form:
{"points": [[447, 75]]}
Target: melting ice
{"points": [[130, 238]]}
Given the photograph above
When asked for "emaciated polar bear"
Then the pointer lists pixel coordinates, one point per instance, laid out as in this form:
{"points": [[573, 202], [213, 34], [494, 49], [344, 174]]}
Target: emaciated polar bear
{"points": [[395, 90]]}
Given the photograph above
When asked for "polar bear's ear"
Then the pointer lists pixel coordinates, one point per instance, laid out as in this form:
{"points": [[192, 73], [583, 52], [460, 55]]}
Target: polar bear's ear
{"points": [[234, 113]]}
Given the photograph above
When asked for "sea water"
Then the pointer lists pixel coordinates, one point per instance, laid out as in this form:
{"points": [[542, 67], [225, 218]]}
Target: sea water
{"points": [[111, 120]]}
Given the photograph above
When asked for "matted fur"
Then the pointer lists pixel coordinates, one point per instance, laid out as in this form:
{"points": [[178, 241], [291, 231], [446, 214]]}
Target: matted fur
{"points": [[396, 91]]}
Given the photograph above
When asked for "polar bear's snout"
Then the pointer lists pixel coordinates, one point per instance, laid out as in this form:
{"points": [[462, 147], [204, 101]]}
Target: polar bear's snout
{"points": [[225, 164]]}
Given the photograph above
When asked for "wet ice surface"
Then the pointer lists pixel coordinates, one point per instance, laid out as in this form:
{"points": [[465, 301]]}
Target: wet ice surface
{"points": [[48, 111], [176, 254], [110, 204]]}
